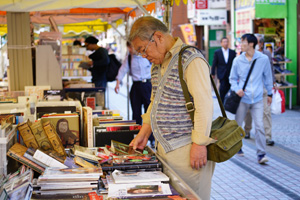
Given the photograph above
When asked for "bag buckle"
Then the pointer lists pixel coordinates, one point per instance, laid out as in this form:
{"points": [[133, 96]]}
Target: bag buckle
{"points": [[189, 106]]}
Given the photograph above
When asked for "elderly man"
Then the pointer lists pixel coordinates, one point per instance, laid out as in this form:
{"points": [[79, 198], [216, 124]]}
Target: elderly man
{"points": [[167, 116]]}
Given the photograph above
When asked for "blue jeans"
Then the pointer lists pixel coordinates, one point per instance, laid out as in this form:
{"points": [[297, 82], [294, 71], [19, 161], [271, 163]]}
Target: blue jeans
{"points": [[257, 111]]}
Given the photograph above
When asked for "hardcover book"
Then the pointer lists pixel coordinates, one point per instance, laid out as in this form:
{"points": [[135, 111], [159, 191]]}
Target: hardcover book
{"points": [[67, 127], [91, 102], [54, 138], [88, 137], [40, 136], [17, 151], [27, 135]]}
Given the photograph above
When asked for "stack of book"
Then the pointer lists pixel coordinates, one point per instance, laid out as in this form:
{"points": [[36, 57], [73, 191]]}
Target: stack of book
{"points": [[124, 184], [68, 181]]}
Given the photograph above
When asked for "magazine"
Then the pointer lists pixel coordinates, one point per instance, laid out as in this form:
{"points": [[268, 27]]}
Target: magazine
{"points": [[137, 177], [139, 190]]}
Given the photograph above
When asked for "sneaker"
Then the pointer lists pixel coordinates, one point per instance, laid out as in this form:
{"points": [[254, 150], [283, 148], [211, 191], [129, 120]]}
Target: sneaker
{"points": [[240, 153], [270, 142], [262, 159], [247, 135]]}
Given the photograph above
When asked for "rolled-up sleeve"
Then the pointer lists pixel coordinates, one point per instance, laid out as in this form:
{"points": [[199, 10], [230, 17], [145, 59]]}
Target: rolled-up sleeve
{"points": [[198, 82]]}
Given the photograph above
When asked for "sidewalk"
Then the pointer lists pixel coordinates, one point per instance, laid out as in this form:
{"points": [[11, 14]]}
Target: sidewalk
{"points": [[242, 177]]}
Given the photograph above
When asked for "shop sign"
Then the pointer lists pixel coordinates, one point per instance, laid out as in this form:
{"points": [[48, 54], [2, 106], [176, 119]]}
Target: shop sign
{"points": [[201, 4], [243, 22], [188, 33], [217, 4], [211, 17], [270, 9], [271, 2], [241, 4], [267, 30]]}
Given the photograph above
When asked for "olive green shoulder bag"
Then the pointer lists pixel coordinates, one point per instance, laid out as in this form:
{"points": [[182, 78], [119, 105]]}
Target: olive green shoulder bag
{"points": [[227, 132]]}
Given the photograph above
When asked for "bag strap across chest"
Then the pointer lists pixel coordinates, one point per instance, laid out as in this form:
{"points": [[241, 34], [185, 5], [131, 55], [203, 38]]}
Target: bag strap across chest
{"points": [[189, 104]]}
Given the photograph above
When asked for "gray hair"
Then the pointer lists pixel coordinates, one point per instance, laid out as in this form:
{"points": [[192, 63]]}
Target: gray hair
{"points": [[144, 27]]}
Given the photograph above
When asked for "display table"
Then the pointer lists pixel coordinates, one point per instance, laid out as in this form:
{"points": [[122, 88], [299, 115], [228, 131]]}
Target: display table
{"points": [[183, 189]]}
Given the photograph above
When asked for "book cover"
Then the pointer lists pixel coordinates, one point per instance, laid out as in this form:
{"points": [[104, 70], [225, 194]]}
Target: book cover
{"points": [[40, 136], [30, 102], [47, 160], [123, 127], [27, 135], [17, 151], [54, 138], [66, 126], [125, 177], [88, 127], [85, 153], [23, 192], [36, 91], [144, 189], [90, 102]]}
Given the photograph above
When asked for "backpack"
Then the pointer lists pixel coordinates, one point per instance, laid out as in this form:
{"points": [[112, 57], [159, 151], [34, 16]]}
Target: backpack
{"points": [[113, 68]]}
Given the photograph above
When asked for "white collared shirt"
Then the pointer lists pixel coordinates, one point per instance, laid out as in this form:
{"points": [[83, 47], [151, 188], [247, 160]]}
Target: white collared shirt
{"points": [[225, 54]]}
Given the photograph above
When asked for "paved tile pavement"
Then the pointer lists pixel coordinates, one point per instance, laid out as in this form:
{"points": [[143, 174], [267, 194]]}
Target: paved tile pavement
{"points": [[243, 177]]}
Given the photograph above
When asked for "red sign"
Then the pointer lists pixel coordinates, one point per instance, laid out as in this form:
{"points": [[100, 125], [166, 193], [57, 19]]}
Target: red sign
{"points": [[201, 4]]}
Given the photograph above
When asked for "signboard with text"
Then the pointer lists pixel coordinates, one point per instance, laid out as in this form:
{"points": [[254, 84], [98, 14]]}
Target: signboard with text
{"points": [[270, 9], [211, 17], [244, 22], [201, 4]]}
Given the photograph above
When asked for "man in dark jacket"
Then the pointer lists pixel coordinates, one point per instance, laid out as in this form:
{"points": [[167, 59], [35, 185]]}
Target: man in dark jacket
{"points": [[222, 61], [99, 63]]}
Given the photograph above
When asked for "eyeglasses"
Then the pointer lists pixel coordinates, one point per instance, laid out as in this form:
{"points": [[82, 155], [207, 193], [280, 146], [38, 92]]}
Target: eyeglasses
{"points": [[143, 53]]}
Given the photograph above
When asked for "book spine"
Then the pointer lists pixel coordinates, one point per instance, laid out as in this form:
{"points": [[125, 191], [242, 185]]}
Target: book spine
{"points": [[88, 126], [40, 136], [90, 133], [131, 167], [26, 162], [54, 138], [27, 135]]}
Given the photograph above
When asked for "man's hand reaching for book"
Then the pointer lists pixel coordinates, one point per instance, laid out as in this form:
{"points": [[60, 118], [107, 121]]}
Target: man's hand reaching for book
{"points": [[140, 141]]}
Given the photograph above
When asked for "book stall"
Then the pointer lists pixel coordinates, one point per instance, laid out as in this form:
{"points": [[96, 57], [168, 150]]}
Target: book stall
{"points": [[71, 149]]}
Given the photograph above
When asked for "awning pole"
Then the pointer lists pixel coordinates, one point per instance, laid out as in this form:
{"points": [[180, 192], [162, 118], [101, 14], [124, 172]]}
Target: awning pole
{"points": [[115, 28], [141, 7], [168, 14]]}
